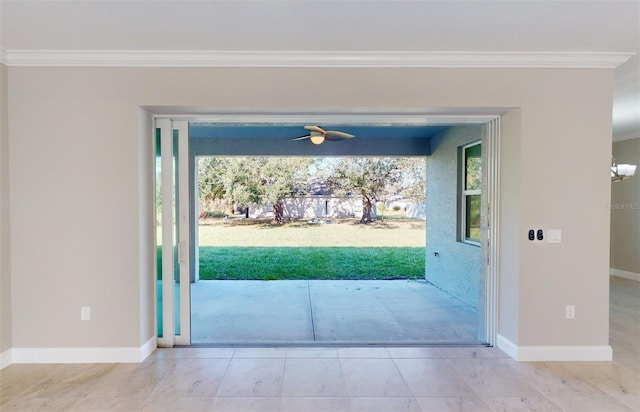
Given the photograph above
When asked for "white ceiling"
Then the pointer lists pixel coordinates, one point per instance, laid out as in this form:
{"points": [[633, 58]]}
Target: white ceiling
{"points": [[337, 26]]}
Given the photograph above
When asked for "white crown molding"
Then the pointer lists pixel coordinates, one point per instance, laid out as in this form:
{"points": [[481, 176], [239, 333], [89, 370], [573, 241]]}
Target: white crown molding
{"points": [[390, 59], [3, 57]]}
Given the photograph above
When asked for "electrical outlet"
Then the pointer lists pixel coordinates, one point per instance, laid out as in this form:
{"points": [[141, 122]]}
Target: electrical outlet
{"points": [[85, 313], [570, 312]]}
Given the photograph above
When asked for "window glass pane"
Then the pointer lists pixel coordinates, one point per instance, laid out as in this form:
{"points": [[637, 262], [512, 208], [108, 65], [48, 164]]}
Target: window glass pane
{"points": [[473, 167], [473, 217], [159, 230], [176, 231]]}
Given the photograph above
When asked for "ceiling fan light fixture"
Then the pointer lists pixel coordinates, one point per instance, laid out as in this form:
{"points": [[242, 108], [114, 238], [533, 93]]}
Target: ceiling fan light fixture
{"points": [[317, 138], [318, 135]]}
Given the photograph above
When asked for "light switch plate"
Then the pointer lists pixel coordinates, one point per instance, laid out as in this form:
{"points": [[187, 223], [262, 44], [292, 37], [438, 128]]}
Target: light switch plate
{"points": [[554, 235], [85, 313]]}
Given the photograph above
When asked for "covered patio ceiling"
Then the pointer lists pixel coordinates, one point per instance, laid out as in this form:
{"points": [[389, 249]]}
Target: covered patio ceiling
{"points": [[277, 139]]}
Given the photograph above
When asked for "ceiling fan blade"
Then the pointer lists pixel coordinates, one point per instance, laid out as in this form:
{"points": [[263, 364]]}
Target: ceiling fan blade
{"points": [[319, 135], [333, 135], [317, 129]]}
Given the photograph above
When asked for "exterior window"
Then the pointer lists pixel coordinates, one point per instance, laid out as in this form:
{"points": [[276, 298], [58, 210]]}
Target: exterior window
{"points": [[471, 193]]}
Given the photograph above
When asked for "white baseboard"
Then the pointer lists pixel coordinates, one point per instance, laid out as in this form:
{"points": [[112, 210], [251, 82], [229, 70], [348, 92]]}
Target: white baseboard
{"points": [[554, 353], [148, 348], [5, 358], [507, 346], [624, 274], [83, 355]]}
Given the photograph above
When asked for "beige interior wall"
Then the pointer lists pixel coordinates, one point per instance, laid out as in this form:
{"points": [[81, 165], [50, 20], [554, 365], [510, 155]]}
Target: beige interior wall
{"points": [[80, 221], [5, 267], [625, 211], [510, 226], [146, 222], [555, 195]]}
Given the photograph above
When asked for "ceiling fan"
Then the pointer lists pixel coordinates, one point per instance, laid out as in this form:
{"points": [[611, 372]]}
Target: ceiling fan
{"points": [[317, 135]]}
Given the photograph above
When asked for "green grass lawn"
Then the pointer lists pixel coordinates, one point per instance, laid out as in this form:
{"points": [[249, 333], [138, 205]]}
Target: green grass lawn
{"points": [[301, 250], [269, 263]]}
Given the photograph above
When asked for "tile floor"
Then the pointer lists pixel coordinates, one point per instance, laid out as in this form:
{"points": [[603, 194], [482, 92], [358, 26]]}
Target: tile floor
{"points": [[342, 378]]}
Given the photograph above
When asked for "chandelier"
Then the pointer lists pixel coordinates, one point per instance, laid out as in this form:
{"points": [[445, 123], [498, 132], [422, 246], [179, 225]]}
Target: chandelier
{"points": [[622, 171]]}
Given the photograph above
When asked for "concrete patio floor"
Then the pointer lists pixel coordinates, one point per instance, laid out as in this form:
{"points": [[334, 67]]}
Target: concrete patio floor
{"points": [[246, 312]]}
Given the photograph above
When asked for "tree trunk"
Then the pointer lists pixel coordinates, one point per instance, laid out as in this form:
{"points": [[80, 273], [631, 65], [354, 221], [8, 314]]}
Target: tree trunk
{"points": [[367, 208], [278, 212]]}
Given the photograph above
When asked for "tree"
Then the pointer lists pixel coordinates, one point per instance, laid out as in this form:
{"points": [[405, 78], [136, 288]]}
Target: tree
{"points": [[414, 181], [370, 177], [241, 181], [211, 172], [281, 178]]}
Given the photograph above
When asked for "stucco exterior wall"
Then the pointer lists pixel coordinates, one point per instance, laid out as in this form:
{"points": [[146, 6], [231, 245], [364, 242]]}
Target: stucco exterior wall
{"points": [[457, 266], [307, 207]]}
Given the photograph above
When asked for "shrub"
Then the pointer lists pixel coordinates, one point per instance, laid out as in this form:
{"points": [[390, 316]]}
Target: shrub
{"points": [[211, 214]]}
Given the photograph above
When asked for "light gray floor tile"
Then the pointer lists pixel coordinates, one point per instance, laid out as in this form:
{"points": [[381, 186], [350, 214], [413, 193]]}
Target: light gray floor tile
{"points": [[179, 404], [384, 405], [363, 353], [313, 377], [253, 378], [38, 404], [591, 404], [473, 404], [203, 353], [130, 380], [373, 377], [192, 378], [552, 379], [311, 404], [618, 381], [75, 380], [312, 353], [628, 359], [108, 404], [246, 404], [399, 352], [478, 352], [23, 380], [491, 378], [260, 353], [521, 404], [432, 378]]}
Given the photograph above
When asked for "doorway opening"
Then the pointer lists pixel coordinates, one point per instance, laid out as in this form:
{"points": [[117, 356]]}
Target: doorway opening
{"points": [[201, 144], [344, 261]]}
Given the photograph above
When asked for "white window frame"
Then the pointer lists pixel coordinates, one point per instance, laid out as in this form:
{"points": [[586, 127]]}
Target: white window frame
{"points": [[174, 238], [463, 196]]}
